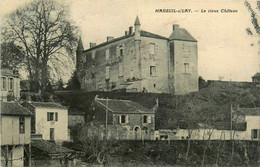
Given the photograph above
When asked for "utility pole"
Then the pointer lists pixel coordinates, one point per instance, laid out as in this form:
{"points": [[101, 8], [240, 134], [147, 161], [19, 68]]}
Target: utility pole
{"points": [[106, 116], [231, 110]]}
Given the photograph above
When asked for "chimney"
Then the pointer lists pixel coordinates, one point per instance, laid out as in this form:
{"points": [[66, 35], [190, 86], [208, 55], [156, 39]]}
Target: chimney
{"points": [[126, 33], [109, 38], [91, 44], [175, 26], [130, 30]]}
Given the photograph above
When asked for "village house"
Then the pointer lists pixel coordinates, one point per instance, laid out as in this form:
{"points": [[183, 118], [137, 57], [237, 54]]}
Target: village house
{"points": [[10, 85], [49, 119], [140, 61], [125, 119], [75, 118], [15, 134], [256, 78], [249, 118]]}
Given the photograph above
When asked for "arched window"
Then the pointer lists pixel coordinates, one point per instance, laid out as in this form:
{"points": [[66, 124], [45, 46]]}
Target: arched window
{"points": [[145, 119]]}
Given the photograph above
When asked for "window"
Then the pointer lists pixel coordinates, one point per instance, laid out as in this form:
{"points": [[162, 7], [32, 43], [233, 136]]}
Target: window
{"points": [[152, 71], [145, 119], [51, 133], [107, 54], [255, 133], [152, 48], [3, 83], [93, 55], [121, 52], [107, 73], [123, 119], [50, 116], [11, 83], [154, 85], [120, 71], [56, 116], [186, 68], [21, 124]]}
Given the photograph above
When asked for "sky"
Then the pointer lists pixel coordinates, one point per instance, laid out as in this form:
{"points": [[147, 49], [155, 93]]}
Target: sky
{"points": [[224, 49]]}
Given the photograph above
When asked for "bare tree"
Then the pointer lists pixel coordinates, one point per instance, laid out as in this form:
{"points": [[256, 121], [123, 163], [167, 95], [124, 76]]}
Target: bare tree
{"points": [[43, 30]]}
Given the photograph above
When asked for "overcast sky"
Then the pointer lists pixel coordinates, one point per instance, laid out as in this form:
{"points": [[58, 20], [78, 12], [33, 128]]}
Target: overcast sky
{"points": [[223, 45]]}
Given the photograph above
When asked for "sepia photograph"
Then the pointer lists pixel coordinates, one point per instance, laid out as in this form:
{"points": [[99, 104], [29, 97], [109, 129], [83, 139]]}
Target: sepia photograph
{"points": [[134, 83]]}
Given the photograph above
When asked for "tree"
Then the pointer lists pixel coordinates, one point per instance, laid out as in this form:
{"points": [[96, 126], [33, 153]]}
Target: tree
{"points": [[11, 55], [255, 14], [74, 83], [45, 33]]}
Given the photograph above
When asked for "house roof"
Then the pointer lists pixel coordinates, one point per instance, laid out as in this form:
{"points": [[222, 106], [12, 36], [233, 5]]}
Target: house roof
{"points": [[47, 105], [7, 72], [122, 106], [50, 147], [181, 34], [250, 111], [257, 75], [13, 108], [75, 111], [105, 43], [151, 35]]}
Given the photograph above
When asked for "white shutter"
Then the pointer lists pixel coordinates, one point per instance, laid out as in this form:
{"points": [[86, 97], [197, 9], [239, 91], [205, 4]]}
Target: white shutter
{"points": [[190, 68], [156, 49], [107, 73], [107, 54], [126, 119], [119, 119], [149, 119], [120, 70], [117, 51]]}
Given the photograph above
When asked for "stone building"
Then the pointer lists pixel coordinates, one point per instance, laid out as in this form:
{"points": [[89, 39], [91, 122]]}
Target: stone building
{"points": [[10, 85], [140, 61], [125, 119]]}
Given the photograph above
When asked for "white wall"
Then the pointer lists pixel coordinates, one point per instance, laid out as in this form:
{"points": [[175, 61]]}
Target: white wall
{"points": [[42, 126]]}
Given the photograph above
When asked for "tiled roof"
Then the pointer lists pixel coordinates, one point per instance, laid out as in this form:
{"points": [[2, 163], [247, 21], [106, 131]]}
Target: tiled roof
{"points": [[13, 108], [181, 34], [75, 111], [49, 147], [250, 111], [151, 35], [122, 106], [47, 105], [105, 43], [256, 75]]}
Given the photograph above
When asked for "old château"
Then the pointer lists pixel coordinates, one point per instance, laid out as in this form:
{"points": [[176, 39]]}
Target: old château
{"points": [[140, 61]]}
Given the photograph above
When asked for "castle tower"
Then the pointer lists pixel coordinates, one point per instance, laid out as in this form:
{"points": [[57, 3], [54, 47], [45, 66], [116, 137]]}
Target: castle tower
{"points": [[183, 71], [137, 37]]}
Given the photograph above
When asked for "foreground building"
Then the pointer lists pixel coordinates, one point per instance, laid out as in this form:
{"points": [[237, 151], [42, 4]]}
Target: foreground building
{"points": [[15, 134], [125, 119], [141, 61]]}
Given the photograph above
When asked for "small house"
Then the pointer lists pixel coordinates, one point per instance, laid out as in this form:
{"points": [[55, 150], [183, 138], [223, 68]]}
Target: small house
{"points": [[135, 121], [49, 119]]}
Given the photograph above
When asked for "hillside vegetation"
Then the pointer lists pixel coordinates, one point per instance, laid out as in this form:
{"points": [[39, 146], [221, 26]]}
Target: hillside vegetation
{"points": [[211, 105]]}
